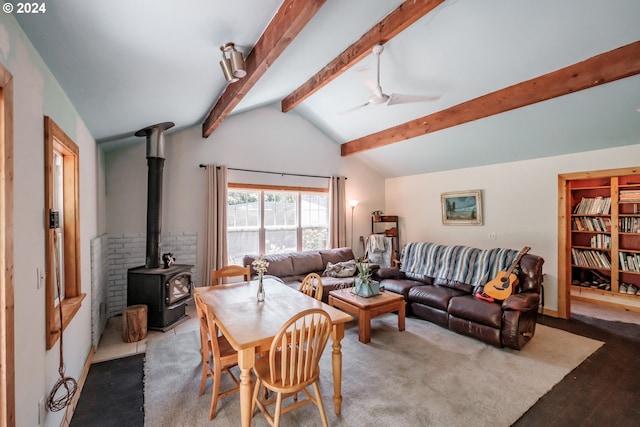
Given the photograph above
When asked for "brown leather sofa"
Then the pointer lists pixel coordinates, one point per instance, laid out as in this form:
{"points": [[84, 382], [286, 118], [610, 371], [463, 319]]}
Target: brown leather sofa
{"points": [[509, 323], [292, 267]]}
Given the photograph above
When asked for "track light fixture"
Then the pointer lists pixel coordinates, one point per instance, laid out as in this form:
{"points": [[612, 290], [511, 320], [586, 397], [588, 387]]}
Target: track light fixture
{"points": [[232, 63]]}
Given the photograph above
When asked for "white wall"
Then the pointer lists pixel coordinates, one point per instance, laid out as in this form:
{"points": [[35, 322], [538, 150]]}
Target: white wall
{"points": [[36, 94], [520, 201], [264, 139]]}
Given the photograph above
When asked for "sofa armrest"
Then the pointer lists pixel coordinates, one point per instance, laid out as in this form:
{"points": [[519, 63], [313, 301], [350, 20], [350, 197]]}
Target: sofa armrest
{"points": [[373, 268], [388, 273], [524, 301]]}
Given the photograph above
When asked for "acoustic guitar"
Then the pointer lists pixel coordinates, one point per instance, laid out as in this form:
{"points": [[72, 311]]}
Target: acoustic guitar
{"points": [[502, 285]]}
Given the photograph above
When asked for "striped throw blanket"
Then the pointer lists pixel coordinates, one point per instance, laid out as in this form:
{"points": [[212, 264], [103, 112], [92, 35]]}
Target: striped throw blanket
{"points": [[460, 263]]}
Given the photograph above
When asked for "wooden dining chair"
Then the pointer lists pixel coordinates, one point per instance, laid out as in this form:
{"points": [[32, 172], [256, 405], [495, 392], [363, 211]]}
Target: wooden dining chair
{"points": [[218, 355], [230, 271], [293, 365], [312, 285]]}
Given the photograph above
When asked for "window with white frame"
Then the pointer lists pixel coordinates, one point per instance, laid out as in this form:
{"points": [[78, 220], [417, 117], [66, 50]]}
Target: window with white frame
{"points": [[270, 221]]}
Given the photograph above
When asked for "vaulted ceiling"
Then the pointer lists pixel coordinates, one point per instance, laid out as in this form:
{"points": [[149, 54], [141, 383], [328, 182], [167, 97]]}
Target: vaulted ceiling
{"points": [[516, 79]]}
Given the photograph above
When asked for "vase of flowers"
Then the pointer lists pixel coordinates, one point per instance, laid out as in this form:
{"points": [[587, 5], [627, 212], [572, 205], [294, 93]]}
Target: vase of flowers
{"points": [[260, 266]]}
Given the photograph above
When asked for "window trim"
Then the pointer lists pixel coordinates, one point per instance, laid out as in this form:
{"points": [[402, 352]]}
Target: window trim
{"points": [[262, 188], [265, 187], [56, 139]]}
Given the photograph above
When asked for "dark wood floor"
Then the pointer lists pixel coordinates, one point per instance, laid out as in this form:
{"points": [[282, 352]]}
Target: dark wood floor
{"points": [[603, 391]]}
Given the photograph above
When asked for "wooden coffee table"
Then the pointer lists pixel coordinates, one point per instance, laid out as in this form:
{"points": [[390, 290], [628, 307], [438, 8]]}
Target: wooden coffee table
{"points": [[368, 308]]}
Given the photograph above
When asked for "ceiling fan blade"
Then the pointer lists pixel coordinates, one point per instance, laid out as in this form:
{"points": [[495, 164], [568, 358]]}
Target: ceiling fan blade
{"points": [[354, 108], [396, 98], [375, 90]]}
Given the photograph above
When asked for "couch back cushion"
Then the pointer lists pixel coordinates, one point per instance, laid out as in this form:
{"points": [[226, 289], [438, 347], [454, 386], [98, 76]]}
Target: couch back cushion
{"points": [[336, 255], [530, 273], [306, 262], [280, 265], [453, 284]]}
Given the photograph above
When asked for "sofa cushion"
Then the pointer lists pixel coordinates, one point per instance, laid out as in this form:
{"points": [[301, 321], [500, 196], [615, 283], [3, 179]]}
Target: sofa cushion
{"points": [[529, 273], [336, 255], [420, 277], [433, 296], [340, 269], [280, 265], [453, 284], [306, 262], [331, 283], [399, 286], [471, 308], [389, 273]]}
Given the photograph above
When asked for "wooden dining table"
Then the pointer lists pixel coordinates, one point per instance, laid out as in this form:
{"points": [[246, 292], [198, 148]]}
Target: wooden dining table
{"points": [[250, 327]]}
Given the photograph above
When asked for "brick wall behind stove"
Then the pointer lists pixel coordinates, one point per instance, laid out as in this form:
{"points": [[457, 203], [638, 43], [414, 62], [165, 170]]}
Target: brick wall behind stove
{"points": [[99, 286], [129, 250]]}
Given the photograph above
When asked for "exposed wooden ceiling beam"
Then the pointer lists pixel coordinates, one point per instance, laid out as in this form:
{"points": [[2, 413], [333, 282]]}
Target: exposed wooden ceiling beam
{"points": [[600, 69], [393, 24], [287, 23]]}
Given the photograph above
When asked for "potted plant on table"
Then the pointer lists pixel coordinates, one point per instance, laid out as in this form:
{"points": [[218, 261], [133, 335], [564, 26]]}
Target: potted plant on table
{"points": [[364, 283]]}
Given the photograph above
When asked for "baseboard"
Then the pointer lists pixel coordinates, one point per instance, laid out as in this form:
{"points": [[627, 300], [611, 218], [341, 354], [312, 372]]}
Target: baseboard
{"points": [[619, 304], [74, 401], [550, 313]]}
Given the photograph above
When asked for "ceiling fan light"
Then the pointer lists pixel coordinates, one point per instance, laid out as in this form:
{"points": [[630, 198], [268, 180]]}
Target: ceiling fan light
{"points": [[227, 70], [237, 64]]}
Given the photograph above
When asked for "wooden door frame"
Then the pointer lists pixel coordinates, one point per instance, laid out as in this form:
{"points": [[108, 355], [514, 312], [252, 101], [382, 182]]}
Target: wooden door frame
{"points": [[564, 256], [564, 230], [7, 337]]}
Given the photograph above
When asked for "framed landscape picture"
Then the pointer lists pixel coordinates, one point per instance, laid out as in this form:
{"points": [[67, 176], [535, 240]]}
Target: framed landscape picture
{"points": [[462, 207]]}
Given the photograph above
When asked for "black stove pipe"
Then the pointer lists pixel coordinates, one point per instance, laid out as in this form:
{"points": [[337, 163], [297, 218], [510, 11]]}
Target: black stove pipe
{"points": [[155, 163]]}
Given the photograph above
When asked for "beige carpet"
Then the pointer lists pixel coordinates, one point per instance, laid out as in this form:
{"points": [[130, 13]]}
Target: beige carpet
{"points": [[424, 376]]}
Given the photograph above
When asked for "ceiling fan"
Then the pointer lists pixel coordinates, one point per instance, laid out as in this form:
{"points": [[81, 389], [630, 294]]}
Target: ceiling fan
{"points": [[379, 97]]}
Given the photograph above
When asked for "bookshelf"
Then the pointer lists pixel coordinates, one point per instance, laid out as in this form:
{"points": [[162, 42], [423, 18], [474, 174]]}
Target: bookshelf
{"points": [[599, 238]]}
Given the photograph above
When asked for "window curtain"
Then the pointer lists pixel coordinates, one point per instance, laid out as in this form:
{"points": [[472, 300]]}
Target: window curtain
{"points": [[215, 253], [338, 215]]}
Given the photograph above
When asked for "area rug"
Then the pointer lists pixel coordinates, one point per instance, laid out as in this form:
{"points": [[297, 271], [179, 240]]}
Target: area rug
{"points": [[424, 376]]}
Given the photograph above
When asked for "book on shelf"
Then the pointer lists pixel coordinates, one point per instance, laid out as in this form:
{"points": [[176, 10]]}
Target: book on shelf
{"points": [[593, 206], [630, 196], [602, 241], [629, 224], [590, 259], [623, 262], [592, 224], [629, 262]]}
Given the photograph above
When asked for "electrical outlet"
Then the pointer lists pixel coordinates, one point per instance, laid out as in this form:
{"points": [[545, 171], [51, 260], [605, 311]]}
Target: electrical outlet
{"points": [[492, 236], [41, 411]]}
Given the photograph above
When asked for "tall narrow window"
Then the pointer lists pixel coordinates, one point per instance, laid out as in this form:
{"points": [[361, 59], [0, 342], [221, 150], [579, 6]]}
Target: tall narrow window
{"points": [[243, 224], [58, 208], [314, 221], [280, 222], [63, 290]]}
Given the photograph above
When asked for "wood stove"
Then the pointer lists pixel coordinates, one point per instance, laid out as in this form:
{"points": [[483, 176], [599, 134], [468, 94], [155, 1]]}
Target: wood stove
{"points": [[164, 289]]}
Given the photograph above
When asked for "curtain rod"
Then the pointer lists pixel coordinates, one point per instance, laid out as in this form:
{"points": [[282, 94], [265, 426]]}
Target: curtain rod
{"points": [[269, 172]]}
